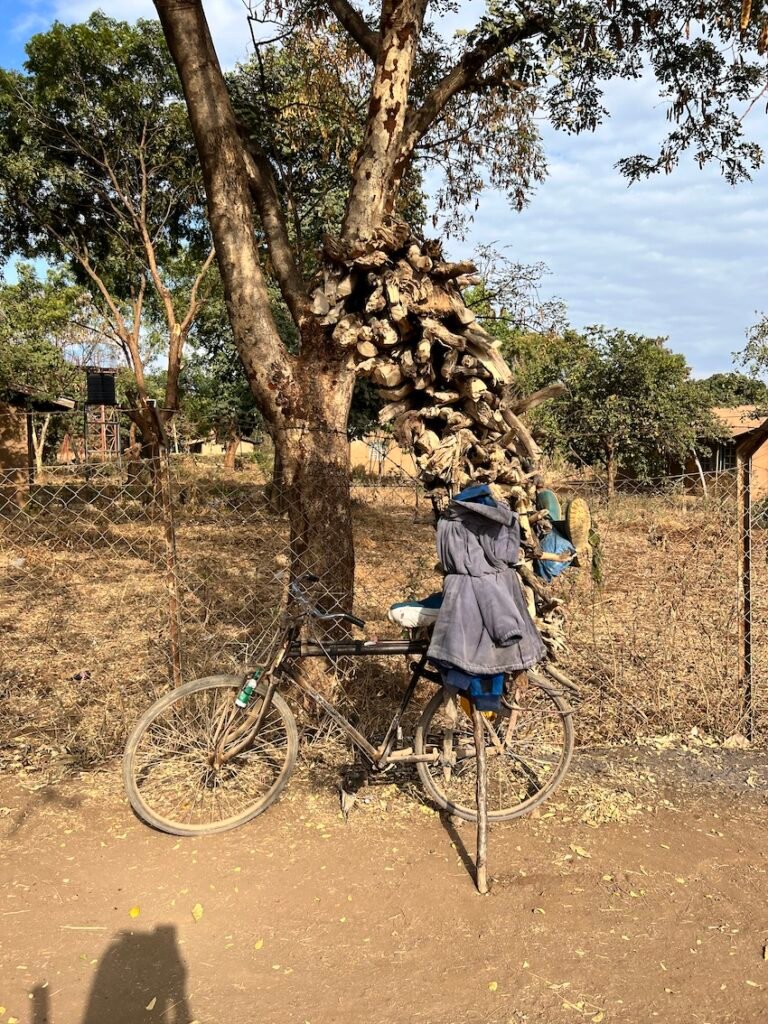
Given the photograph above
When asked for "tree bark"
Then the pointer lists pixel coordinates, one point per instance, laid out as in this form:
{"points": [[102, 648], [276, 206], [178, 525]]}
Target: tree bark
{"points": [[305, 400], [314, 454], [276, 493], [230, 209], [38, 443], [379, 168], [230, 453]]}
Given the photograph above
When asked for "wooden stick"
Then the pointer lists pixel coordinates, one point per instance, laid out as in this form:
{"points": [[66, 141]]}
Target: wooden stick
{"points": [[481, 792]]}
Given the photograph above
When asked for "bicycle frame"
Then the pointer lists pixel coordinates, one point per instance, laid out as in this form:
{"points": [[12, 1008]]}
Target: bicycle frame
{"points": [[384, 755], [291, 648]]}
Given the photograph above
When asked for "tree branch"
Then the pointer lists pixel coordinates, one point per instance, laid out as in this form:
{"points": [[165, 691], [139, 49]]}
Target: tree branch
{"points": [[163, 292], [353, 22], [267, 363], [263, 188], [84, 261], [194, 305], [463, 77], [132, 342], [380, 165]]}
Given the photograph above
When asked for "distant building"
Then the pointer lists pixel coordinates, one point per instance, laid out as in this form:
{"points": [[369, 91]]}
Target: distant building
{"points": [[17, 460], [381, 456], [739, 421]]}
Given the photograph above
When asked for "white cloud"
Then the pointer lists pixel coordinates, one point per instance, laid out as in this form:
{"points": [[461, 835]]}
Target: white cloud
{"points": [[683, 255]]}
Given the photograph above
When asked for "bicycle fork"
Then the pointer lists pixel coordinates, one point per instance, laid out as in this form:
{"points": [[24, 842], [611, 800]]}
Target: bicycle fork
{"points": [[228, 744]]}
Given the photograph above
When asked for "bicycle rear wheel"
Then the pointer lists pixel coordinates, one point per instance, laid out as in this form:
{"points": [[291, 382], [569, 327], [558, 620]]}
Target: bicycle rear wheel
{"points": [[526, 757], [172, 767]]}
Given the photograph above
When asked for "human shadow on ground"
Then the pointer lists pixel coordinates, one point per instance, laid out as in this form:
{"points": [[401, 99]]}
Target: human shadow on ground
{"points": [[140, 974]]}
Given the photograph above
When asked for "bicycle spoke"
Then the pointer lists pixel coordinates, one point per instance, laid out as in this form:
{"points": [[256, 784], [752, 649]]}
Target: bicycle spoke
{"points": [[181, 775], [526, 744]]}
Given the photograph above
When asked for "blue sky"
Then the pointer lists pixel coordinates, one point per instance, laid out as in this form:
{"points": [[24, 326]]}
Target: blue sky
{"points": [[684, 256]]}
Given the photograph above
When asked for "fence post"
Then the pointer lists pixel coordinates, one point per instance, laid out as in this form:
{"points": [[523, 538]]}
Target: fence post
{"points": [[744, 516], [169, 530]]}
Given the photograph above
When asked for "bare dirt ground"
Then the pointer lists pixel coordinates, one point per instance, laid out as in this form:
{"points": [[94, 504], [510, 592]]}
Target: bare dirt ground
{"points": [[640, 894]]}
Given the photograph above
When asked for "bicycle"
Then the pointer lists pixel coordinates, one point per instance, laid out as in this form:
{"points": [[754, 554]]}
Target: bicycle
{"points": [[217, 752]]}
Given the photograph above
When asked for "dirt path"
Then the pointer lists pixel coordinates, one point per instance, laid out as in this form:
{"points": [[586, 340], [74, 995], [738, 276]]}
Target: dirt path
{"points": [[660, 916]]}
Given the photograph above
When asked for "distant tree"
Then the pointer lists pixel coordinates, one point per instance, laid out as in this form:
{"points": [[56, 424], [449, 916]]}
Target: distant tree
{"points": [[38, 321], [754, 357], [43, 322], [539, 361], [507, 298], [631, 404], [216, 399], [733, 389], [98, 172]]}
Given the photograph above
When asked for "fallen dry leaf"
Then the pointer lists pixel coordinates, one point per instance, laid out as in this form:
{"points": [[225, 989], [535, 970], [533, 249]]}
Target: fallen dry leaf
{"points": [[258, 944], [151, 1004], [579, 851], [197, 911], [493, 985], [134, 912]]}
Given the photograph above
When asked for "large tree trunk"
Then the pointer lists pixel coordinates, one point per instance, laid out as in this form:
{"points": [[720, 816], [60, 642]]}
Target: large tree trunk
{"points": [[276, 489], [314, 453], [304, 399]]}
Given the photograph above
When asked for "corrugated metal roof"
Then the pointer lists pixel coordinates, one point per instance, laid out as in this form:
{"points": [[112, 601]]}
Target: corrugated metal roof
{"points": [[741, 419]]}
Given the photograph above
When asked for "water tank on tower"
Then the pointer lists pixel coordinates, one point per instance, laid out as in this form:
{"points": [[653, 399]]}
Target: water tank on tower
{"points": [[100, 386]]}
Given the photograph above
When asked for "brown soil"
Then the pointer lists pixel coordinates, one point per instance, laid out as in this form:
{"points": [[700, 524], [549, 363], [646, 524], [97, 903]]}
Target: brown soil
{"points": [[640, 894]]}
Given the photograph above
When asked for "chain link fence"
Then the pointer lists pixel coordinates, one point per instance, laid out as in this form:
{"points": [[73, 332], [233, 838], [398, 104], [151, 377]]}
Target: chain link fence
{"points": [[653, 634], [116, 581]]}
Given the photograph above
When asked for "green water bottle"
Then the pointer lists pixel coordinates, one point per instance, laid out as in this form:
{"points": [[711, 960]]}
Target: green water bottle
{"points": [[243, 698]]}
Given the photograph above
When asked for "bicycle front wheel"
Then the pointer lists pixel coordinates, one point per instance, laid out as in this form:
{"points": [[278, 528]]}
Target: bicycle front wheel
{"points": [[173, 771], [528, 750]]}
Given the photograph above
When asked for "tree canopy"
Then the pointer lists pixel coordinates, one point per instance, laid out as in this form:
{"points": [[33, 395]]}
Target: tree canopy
{"points": [[40, 322], [733, 389], [98, 174]]}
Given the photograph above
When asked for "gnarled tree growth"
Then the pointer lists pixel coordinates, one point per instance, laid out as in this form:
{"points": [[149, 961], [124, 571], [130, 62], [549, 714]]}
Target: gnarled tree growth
{"points": [[384, 303]]}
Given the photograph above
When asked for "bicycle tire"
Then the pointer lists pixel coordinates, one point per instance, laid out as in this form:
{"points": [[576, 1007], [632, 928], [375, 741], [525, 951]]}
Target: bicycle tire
{"points": [[426, 736], [278, 733]]}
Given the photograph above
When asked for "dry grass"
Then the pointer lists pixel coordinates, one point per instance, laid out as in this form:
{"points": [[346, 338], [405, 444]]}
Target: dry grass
{"points": [[656, 641], [83, 592]]}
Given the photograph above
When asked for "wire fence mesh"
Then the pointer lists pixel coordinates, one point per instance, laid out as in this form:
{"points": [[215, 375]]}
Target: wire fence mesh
{"points": [[106, 584]]}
